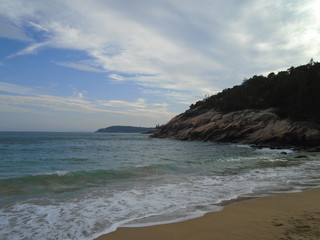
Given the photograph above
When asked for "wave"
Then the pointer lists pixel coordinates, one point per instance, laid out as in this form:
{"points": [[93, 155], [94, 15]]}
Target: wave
{"points": [[137, 202], [65, 181], [69, 181]]}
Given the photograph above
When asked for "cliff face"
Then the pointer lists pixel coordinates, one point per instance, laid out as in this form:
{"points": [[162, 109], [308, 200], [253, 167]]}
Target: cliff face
{"points": [[257, 127], [294, 93]]}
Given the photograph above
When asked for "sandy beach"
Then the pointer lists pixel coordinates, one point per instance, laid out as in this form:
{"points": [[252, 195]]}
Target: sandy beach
{"points": [[290, 216]]}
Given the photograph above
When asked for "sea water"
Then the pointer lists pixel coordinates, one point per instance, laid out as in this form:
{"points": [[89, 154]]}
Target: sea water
{"points": [[81, 185]]}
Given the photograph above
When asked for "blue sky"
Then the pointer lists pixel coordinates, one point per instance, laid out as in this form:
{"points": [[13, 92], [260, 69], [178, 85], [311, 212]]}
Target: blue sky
{"points": [[79, 65]]}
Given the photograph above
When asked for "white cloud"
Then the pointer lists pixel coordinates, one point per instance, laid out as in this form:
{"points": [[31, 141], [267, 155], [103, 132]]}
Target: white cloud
{"points": [[140, 103], [15, 89], [78, 94], [23, 99], [180, 97], [116, 77], [29, 50], [178, 51], [139, 107], [197, 46], [38, 27], [83, 66], [47, 102], [121, 43], [10, 30]]}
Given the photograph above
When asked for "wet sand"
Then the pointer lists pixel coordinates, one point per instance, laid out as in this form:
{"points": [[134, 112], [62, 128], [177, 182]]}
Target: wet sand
{"points": [[290, 216]]}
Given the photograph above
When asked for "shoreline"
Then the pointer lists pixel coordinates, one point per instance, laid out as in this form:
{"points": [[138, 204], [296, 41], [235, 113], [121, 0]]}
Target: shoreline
{"points": [[284, 216]]}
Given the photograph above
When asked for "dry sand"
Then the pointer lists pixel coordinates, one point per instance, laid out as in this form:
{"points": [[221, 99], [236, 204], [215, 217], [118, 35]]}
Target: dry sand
{"points": [[284, 217]]}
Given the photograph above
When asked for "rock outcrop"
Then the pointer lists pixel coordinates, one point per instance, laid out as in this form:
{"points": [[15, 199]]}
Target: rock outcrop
{"points": [[256, 127]]}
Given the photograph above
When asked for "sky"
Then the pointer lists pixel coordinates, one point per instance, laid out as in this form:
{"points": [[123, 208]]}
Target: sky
{"points": [[79, 65]]}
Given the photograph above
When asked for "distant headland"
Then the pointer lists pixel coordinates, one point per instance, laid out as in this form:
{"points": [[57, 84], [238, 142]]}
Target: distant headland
{"points": [[124, 129], [279, 110]]}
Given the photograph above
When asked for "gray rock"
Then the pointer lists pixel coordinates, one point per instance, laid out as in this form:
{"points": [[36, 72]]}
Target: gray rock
{"points": [[257, 127]]}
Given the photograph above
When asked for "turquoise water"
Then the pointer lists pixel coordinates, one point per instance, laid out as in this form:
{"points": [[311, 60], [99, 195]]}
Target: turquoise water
{"points": [[80, 185]]}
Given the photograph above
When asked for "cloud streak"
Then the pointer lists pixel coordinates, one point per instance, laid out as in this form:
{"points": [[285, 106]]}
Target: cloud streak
{"points": [[14, 89], [83, 66], [175, 51], [189, 45], [31, 49], [19, 98]]}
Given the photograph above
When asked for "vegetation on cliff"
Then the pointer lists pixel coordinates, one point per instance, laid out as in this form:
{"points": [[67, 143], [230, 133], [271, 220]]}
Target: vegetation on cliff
{"points": [[294, 93], [280, 110]]}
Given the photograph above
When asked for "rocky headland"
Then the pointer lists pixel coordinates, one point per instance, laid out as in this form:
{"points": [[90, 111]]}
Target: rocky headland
{"points": [[262, 128], [125, 129], [278, 111]]}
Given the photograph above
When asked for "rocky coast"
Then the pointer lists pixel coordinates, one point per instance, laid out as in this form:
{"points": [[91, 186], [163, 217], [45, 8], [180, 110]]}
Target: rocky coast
{"points": [[261, 128]]}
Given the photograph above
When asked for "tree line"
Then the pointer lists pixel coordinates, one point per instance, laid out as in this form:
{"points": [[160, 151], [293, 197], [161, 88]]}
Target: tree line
{"points": [[294, 93]]}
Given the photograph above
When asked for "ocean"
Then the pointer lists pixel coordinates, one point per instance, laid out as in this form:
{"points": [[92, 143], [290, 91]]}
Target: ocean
{"points": [[82, 185]]}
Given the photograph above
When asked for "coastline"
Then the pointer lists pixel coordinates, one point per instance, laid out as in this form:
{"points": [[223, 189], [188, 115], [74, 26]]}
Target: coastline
{"points": [[284, 216], [259, 128]]}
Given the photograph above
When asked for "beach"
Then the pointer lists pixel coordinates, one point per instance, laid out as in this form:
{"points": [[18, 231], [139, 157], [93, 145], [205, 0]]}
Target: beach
{"points": [[290, 216], [98, 183]]}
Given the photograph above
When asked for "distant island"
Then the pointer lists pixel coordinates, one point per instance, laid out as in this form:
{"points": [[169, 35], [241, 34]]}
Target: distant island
{"points": [[124, 129], [279, 110]]}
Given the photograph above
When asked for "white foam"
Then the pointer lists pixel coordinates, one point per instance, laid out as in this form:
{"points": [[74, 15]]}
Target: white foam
{"points": [[275, 150], [243, 145], [59, 173], [85, 216], [147, 223]]}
